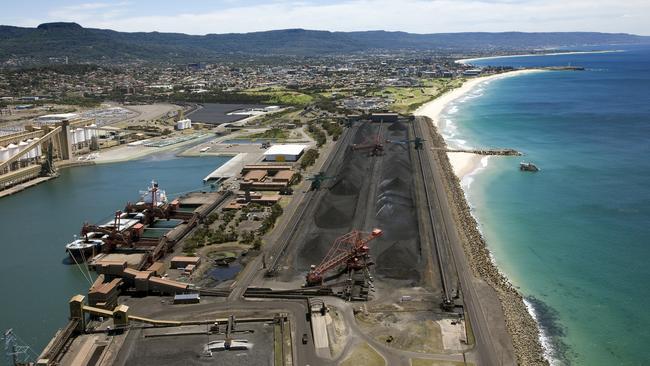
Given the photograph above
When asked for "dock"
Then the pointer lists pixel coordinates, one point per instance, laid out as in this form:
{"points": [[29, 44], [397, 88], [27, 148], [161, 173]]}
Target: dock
{"points": [[22, 186], [232, 167]]}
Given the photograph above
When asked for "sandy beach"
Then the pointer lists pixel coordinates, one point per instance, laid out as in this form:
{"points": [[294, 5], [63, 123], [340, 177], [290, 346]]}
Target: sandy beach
{"points": [[462, 163], [469, 60]]}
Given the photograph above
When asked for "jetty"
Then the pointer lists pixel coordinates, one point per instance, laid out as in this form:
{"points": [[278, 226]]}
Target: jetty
{"points": [[503, 152], [564, 68]]}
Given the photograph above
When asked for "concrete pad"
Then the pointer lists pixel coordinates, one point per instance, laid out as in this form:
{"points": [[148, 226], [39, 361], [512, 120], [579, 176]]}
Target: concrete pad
{"points": [[319, 332], [234, 166], [452, 334]]}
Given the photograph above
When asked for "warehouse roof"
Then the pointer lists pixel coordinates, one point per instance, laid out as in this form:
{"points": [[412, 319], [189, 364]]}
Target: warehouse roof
{"points": [[286, 149]]}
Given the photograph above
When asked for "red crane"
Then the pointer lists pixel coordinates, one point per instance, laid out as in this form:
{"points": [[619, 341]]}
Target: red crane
{"points": [[350, 249]]}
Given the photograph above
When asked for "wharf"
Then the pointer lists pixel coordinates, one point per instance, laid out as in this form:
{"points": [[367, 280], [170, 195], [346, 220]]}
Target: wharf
{"points": [[22, 186], [564, 68], [233, 166]]}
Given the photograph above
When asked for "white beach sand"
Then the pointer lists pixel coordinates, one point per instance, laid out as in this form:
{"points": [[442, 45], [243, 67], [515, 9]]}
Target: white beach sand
{"points": [[463, 163]]}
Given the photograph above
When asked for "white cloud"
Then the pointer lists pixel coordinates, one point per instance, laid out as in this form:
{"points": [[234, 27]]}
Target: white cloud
{"points": [[419, 16], [88, 13]]}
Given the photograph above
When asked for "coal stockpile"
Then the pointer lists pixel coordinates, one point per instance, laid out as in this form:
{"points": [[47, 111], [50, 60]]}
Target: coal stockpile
{"points": [[334, 213], [398, 252], [397, 126], [368, 192]]}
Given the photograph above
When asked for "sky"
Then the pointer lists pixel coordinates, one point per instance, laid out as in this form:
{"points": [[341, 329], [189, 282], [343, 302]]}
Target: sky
{"points": [[416, 16]]}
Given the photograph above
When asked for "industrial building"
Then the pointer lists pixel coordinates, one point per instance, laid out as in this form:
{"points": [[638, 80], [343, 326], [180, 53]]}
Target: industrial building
{"points": [[384, 117], [56, 118], [183, 124], [284, 152]]}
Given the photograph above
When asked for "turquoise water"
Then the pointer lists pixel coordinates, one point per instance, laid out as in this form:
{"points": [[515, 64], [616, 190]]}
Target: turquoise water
{"points": [[575, 237], [36, 224]]}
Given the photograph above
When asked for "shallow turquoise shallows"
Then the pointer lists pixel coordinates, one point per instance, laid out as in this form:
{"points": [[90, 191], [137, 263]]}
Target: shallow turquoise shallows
{"points": [[35, 225], [574, 237]]}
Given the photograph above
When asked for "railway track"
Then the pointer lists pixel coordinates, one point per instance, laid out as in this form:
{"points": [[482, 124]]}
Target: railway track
{"points": [[440, 238], [311, 197]]}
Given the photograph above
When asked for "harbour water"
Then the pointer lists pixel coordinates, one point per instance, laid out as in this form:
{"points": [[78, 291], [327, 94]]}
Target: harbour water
{"points": [[35, 281], [574, 237]]}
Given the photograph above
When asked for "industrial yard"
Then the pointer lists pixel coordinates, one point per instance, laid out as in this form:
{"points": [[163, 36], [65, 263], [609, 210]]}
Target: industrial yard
{"points": [[299, 249], [251, 260]]}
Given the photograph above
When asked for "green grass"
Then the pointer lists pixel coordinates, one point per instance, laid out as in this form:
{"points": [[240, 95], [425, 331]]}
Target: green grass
{"points": [[469, 331], [364, 355], [408, 99], [277, 95], [273, 133], [277, 345], [423, 362]]}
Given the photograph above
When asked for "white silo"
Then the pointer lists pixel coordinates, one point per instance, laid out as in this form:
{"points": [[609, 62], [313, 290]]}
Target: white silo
{"points": [[93, 131], [21, 148], [73, 137], [13, 150], [80, 135], [32, 152], [4, 154], [38, 148]]}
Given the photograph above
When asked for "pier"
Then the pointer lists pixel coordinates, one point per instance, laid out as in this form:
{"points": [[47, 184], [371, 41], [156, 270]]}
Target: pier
{"points": [[502, 152]]}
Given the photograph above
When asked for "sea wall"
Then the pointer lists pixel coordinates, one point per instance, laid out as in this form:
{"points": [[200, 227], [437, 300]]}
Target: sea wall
{"points": [[521, 325]]}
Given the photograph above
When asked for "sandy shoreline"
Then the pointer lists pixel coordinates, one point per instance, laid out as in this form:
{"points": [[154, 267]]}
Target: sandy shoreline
{"points": [[521, 325], [462, 163], [469, 60]]}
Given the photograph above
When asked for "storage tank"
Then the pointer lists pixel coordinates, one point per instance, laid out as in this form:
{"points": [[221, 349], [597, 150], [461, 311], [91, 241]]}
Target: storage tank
{"points": [[93, 131], [80, 135], [38, 148], [13, 150], [32, 152], [21, 148], [73, 137], [4, 154], [87, 134]]}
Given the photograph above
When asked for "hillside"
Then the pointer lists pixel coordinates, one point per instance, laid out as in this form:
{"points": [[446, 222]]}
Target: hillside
{"points": [[56, 40]]}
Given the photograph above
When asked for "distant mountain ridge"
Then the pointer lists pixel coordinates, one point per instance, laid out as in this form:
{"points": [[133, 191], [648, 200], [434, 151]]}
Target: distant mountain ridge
{"points": [[79, 44]]}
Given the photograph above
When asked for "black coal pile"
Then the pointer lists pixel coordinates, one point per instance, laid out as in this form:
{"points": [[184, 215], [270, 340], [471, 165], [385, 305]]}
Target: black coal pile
{"points": [[397, 252]]}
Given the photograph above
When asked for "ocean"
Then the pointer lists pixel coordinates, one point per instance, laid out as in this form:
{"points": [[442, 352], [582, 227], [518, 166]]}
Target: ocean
{"points": [[35, 281], [574, 237]]}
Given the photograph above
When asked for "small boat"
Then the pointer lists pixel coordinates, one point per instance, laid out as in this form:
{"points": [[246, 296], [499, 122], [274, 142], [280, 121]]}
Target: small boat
{"points": [[528, 167]]}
